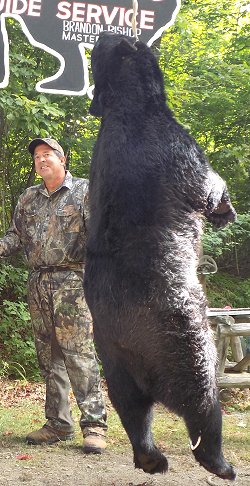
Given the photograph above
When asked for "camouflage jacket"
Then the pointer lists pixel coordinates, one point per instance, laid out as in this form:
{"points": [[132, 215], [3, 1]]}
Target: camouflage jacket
{"points": [[50, 228]]}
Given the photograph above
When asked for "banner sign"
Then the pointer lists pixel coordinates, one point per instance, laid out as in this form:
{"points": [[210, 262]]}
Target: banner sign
{"points": [[66, 28]]}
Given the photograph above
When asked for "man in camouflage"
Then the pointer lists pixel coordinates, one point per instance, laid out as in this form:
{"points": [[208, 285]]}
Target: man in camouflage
{"points": [[49, 224]]}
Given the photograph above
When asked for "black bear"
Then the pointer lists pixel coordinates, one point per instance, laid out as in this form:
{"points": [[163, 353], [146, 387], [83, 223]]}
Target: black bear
{"points": [[150, 185]]}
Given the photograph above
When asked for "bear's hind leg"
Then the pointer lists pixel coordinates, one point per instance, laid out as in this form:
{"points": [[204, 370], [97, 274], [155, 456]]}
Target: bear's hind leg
{"points": [[205, 431], [135, 411]]}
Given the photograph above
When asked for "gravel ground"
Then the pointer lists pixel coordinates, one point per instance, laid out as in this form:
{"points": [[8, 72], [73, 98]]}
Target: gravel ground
{"points": [[59, 465], [65, 464]]}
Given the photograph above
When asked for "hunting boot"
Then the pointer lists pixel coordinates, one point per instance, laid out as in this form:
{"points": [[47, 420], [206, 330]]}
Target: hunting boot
{"points": [[48, 435], [94, 440]]}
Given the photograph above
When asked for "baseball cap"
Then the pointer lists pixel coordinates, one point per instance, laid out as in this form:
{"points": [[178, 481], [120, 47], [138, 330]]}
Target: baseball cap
{"points": [[49, 141]]}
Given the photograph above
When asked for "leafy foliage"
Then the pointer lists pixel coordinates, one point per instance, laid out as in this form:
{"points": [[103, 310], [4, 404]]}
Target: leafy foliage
{"points": [[17, 350], [219, 241], [205, 60], [230, 246], [224, 290]]}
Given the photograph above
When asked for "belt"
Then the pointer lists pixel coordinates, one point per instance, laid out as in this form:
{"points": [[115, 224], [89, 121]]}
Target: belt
{"points": [[59, 268]]}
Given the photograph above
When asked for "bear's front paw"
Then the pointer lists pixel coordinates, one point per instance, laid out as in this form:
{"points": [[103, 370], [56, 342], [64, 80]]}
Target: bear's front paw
{"points": [[220, 220]]}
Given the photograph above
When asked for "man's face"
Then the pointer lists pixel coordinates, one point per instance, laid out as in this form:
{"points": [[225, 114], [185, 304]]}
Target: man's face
{"points": [[48, 164]]}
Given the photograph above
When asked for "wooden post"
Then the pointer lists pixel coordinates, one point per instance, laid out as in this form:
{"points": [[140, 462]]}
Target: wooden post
{"points": [[236, 348], [223, 340], [243, 364]]}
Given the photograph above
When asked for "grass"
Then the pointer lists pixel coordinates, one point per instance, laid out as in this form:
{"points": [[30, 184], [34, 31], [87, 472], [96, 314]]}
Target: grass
{"points": [[25, 414]]}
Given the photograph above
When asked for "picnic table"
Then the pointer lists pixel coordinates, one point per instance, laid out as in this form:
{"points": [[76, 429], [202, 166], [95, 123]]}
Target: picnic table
{"points": [[230, 326]]}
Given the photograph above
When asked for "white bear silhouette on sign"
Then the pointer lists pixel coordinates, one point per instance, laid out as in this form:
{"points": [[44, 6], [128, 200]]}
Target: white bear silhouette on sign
{"points": [[66, 28]]}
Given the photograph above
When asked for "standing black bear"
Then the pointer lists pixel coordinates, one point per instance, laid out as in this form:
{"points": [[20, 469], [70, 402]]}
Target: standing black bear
{"points": [[150, 184]]}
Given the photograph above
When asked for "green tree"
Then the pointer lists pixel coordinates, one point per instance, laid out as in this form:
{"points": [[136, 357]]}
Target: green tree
{"points": [[205, 60]]}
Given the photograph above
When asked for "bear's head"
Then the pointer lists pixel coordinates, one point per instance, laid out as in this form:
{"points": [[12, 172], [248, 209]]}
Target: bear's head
{"points": [[123, 68]]}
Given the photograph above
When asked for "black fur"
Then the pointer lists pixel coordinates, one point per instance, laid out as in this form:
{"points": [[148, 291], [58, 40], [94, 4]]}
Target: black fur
{"points": [[150, 184]]}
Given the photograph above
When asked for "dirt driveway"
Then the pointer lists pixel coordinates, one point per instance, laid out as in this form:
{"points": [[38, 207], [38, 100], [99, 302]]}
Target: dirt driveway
{"points": [[59, 465], [66, 465]]}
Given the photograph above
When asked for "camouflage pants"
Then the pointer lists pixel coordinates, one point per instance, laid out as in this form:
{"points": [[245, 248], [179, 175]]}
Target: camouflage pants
{"points": [[64, 342]]}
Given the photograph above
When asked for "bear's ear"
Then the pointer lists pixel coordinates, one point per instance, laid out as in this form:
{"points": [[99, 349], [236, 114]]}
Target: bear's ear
{"points": [[96, 105], [125, 48]]}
